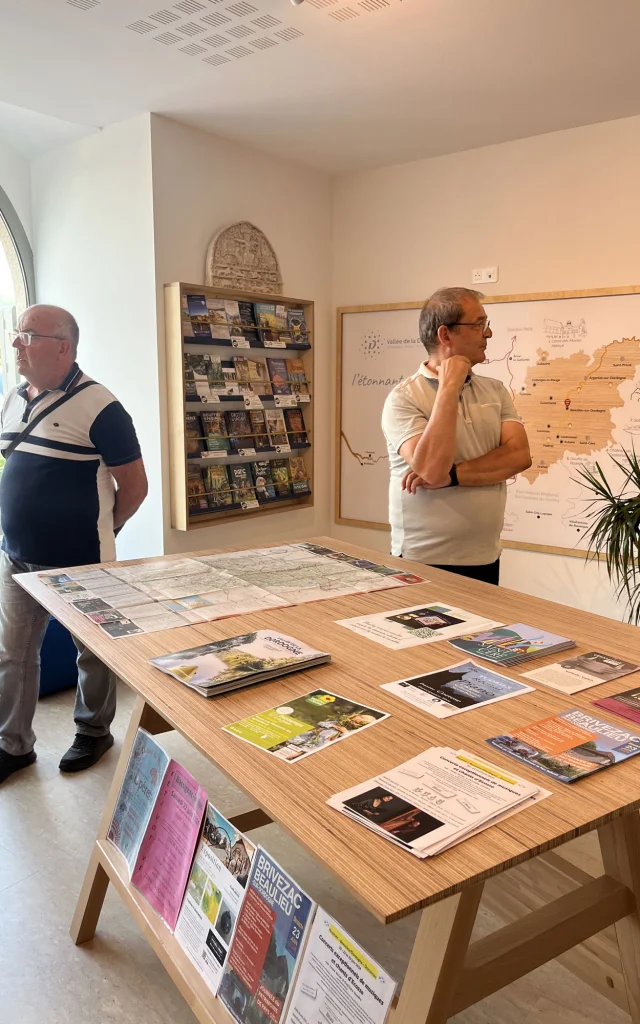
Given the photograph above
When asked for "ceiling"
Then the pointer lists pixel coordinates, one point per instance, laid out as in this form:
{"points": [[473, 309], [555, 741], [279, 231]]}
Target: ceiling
{"points": [[336, 84]]}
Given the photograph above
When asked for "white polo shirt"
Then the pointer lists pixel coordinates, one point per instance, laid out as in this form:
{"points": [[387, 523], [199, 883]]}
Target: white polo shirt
{"points": [[451, 525]]}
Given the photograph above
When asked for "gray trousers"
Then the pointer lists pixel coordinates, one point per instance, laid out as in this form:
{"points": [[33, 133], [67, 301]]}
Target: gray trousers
{"points": [[23, 623]]}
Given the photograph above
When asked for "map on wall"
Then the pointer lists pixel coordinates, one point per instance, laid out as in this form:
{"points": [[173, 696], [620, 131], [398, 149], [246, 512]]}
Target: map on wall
{"points": [[572, 366]]}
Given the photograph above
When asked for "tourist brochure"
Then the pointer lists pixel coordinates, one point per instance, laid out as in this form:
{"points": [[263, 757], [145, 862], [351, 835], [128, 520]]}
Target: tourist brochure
{"points": [[239, 661], [581, 672], [338, 981], [156, 824], [162, 866], [145, 772], [267, 945], [625, 704], [570, 745], [511, 645], [456, 688], [421, 624], [305, 724], [436, 799], [214, 895]]}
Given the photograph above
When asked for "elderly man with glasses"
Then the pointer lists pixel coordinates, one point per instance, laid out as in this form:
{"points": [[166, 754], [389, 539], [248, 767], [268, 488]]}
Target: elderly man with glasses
{"points": [[454, 439], [74, 475]]}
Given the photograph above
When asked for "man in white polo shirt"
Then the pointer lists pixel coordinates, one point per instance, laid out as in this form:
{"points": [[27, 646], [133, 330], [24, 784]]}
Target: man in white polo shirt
{"points": [[454, 439]]}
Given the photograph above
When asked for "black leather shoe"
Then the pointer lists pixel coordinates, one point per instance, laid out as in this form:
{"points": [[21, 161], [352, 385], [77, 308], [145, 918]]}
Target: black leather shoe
{"points": [[10, 763], [85, 751]]}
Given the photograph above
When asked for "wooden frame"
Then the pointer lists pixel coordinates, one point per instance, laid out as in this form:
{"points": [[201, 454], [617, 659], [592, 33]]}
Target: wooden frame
{"points": [[178, 463], [584, 293]]}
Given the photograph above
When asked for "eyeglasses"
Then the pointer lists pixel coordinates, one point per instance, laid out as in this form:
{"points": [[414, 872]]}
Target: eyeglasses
{"points": [[25, 338], [477, 325]]}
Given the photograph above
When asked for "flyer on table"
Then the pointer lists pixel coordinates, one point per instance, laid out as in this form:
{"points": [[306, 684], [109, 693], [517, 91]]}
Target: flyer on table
{"points": [[214, 895], [581, 672], [338, 980], [421, 624], [570, 745], [305, 725], [625, 704], [456, 688]]}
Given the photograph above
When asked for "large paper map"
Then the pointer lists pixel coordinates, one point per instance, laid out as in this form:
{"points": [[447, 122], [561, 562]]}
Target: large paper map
{"points": [[124, 600], [572, 366]]}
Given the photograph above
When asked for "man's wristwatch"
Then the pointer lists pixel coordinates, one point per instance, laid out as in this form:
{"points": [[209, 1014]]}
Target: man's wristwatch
{"points": [[453, 473]]}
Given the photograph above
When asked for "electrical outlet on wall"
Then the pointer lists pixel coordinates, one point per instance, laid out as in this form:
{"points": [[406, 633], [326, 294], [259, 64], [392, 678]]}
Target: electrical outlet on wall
{"points": [[486, 275]]}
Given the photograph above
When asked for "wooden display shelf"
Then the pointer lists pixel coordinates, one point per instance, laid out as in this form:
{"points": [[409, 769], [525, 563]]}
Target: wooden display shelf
{"points": [[182, 516]]}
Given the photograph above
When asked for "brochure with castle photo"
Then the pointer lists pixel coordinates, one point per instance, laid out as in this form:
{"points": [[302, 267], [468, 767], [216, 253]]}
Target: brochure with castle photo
{"points": [[214, 895], [581, 672], [420, 624], [239, 661], [456, 688]]}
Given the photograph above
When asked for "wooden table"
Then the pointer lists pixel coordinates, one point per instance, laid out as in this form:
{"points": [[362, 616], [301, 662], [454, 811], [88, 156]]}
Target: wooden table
{"points": [[446, 973]]}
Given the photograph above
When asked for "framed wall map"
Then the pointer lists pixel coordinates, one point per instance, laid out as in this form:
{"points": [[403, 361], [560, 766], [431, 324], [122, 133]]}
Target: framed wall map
{"points": [[571, 361]]}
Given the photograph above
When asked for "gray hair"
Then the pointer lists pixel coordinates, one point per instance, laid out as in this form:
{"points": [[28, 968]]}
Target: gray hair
{"points": [[442, 309], [70, 330]]}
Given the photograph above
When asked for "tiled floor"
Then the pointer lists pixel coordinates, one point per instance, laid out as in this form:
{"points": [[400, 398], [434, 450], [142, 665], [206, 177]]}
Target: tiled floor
{"points": [[47, 825]]}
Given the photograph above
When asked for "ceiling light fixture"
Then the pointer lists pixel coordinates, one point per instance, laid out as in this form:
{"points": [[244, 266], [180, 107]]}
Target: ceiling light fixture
{"points": [[297, 2]]}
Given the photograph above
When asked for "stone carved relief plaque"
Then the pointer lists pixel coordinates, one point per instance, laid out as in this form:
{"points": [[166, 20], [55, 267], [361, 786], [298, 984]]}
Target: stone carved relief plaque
{"points": [[242, 257]]}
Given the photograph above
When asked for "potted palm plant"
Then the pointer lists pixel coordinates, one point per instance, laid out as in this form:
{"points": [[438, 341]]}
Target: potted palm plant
{"points": [[614, 530]]}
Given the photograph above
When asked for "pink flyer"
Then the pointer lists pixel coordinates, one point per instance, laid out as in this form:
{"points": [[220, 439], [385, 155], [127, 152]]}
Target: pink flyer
{"points": [[164, 861]]}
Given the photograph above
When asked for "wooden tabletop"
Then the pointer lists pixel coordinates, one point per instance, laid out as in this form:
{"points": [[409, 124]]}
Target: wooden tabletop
{"points": [[388, 881]]}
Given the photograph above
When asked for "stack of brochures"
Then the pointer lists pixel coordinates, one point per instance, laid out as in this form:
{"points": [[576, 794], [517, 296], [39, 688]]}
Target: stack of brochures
{"points": [[239, 661], [511, 645], [570, 745], [436, 800]]}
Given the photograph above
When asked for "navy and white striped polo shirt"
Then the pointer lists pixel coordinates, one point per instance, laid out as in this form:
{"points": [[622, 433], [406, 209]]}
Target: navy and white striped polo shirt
{"points": [[56, 491]]}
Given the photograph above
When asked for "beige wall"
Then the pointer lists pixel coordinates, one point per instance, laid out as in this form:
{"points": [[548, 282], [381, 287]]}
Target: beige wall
{"points": [[554, 212], [200, 184]]}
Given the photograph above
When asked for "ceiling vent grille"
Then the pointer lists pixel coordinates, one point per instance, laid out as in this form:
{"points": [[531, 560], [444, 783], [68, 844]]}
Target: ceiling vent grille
{"points": [[189, 6], [190, 29], [321, 3], [216, 19], [164, 17], [374, 5], [287, 34], [141, 27], [266, 21], [193, 50], [168, 38], [344, 14], [216, 59], [240, 51], [241, 9], [215, 40], [264, 43], [241, 31], [83, 5]]}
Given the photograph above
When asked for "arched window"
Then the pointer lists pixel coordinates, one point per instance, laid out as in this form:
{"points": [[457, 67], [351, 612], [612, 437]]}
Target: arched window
{"points": [[17, 289]]}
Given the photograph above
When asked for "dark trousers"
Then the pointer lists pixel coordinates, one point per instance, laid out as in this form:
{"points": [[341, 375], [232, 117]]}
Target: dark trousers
{"points": [[485, 573]]}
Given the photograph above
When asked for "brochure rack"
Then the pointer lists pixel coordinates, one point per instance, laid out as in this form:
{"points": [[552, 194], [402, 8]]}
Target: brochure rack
{"points": [[184, 515]]}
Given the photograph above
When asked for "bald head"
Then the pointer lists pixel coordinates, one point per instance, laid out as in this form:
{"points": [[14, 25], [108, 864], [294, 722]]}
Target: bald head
{"points": [[52, 321]]}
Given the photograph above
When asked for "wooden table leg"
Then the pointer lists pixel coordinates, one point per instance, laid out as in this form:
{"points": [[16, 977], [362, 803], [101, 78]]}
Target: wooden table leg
{"points": [[437, 959], [620, 846], [96, 880]]}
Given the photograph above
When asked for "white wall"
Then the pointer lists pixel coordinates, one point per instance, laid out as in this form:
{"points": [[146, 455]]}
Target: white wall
{"points": [[15, 180], [554, 212], [200, 184], [93, 238]]}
